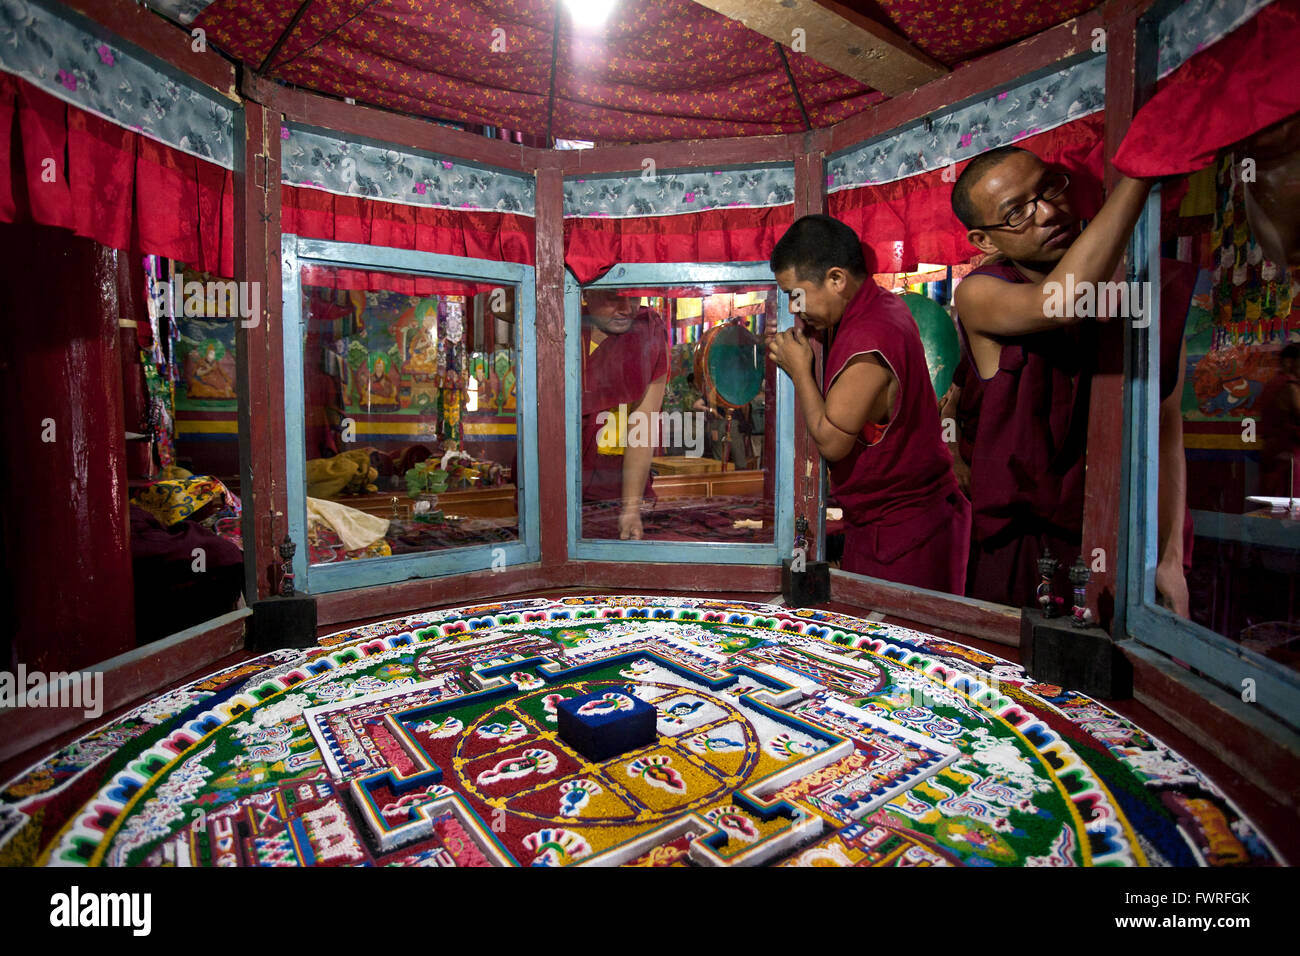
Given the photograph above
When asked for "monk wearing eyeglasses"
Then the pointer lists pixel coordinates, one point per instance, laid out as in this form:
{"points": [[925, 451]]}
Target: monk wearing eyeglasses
{"points": [[1022, 409]]}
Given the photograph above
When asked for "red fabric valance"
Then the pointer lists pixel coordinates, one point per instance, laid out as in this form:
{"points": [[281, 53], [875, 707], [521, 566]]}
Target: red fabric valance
{"points": [[111, 184], [910, 221], [497, 236], [593, 245], [1246, 82]]}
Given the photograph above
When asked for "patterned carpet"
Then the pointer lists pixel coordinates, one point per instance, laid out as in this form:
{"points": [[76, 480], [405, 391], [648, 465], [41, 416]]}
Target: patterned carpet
{"points": [[743, 734]]}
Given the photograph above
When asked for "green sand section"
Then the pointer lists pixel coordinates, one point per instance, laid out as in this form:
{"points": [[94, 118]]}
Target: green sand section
{"points": [[1029, 834]]}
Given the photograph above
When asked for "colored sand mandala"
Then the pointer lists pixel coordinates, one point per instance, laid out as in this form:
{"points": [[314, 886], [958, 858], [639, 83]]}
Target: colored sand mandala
{"points": [[788, 737]]}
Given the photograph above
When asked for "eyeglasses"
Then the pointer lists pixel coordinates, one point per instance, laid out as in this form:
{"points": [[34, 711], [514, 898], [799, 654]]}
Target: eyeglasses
{"points": [[1054, 186]]}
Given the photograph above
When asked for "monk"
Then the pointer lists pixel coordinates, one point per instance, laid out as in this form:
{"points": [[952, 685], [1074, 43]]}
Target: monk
{"points": [[625, 370], [875, 419], [1022, 412], [1279, 427]]}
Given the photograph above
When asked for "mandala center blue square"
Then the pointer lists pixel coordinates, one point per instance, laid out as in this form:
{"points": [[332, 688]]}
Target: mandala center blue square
{"points": [[606, 723]]}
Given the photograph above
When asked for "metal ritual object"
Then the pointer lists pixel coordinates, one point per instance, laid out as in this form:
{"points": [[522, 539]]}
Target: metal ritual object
{"points": [[729, 365], [939, 336]]}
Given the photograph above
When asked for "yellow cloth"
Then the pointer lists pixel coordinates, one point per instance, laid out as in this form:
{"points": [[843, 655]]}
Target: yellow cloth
{"points": [[355, 529], [607, 440], [330, 477], [171, 501]]}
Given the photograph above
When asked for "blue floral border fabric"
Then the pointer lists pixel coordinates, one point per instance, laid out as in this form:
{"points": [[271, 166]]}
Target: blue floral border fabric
{"points": [[668, 194], [1002, 118], [57, 51], [182, 11], [325, 161]]}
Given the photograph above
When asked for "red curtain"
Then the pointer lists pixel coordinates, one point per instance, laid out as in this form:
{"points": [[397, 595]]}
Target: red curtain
{"points": [[593, 245], [111, 184], [910, 221], [1246, 82], [500, 237]]}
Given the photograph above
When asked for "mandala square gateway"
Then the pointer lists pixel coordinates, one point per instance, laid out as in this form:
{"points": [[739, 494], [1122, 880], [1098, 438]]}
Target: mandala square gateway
{"points": [[776, 736]]}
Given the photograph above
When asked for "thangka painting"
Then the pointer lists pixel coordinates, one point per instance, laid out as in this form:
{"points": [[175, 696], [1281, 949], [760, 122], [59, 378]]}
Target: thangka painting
{"points": [[406, 355], [638, 731], [1241, 315], [1225, 373], [206, 354]]}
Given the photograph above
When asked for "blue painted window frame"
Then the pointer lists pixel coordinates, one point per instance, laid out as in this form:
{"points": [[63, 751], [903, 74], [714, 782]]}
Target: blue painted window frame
{"points": [[641, 275], [347, 575], [1218, 658]]}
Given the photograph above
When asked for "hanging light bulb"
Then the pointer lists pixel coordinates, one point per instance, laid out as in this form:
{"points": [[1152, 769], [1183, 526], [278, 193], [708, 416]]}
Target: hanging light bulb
{"points": [[590, 13]]}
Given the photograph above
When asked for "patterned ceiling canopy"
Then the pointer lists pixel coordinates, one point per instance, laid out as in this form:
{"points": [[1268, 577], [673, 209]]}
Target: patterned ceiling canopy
{"points": [[656, 70]]}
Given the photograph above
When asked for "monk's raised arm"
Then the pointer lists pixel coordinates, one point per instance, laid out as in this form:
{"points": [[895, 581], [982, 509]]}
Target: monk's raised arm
{"points": [[992, 307]]}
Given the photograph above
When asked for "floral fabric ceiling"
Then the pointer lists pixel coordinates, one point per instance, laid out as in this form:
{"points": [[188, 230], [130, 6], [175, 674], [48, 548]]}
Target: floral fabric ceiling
{"points": [[658, 69]]}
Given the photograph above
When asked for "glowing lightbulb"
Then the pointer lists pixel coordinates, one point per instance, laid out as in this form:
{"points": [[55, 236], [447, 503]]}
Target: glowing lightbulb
{"points": [[590, 13]]}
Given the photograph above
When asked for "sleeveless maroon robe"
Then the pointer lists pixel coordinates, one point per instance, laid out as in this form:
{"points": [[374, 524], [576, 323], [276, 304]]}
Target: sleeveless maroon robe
{"points": [[617, 373], [1024, 432], [905, 520], [1281, 436]]}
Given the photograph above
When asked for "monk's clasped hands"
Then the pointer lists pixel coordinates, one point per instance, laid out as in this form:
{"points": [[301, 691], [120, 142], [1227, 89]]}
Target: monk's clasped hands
{"points": [[791, 352]]}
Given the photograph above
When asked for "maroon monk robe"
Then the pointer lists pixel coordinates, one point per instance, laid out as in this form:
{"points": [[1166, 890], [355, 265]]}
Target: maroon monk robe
{"points": [[1024, 432], [905, 519], [617, 373], [1279, 472]]}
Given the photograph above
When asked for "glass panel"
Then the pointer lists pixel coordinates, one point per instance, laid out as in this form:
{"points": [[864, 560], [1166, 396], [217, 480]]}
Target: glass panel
{"points": [[1241, 432], [203, 339], [410, 413], [677, 440]]}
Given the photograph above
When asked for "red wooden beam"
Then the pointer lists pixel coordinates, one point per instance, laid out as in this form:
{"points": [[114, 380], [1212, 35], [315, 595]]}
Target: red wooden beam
{"points": [[552, 368], [1039, 52], [701, 153], [1236, 733], [126, 678], [260, 350], [681, 578], [168, 42], [1106, 404], [809, 199], [409, 597], [993, 622], [312, 109]]}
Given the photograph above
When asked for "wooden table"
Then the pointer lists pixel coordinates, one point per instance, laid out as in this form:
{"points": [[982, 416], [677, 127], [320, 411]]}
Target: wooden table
{"points": [[683, 465], [495, 502]]}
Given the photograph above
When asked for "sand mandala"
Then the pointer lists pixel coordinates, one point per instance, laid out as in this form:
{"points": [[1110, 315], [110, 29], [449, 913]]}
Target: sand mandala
{"points": [[623, 731]]}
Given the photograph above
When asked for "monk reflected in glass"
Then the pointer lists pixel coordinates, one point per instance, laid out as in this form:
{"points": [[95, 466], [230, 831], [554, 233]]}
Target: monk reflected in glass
{"points": [[624, 372]]}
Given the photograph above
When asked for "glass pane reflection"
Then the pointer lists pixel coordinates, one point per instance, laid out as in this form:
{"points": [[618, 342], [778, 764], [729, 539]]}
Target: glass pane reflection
{"points": [[411, 417], [676, 441]]}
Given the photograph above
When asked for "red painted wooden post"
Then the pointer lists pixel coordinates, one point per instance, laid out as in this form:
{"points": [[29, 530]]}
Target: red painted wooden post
{"points": [[66, 542], [260, 350], [809, 199], [1106, 411], [548, 417]]}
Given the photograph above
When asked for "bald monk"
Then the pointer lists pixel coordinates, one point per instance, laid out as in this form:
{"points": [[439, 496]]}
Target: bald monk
{"points": [[625, 369], [876, 423], [1023, 410]]}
